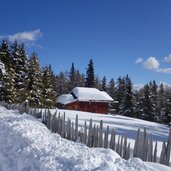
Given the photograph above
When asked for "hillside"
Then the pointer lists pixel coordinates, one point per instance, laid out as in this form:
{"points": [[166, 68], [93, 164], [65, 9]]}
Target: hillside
{"points": [[122, 126]]}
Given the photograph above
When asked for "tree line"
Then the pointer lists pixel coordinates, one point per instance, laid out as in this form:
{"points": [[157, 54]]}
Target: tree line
{"points": [[24, 79]]}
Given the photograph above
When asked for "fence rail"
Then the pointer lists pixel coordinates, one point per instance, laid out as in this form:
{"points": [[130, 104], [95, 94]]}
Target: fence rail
{"points": [[93, 135]]}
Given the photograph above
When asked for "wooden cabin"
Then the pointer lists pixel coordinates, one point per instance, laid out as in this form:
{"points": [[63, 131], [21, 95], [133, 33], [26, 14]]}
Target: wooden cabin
{"points": [[85, 99]]}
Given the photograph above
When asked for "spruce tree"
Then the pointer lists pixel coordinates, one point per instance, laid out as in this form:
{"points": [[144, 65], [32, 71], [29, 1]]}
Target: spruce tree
{"points": [[90, 77], [104, 84], [72, 77], [5, 56], [127, 101], [9, 86], [19, 63], [120, 90], [80, 80], [61, 85], [111, 88], [2, 74], [161, 103], [49, 95], [97, 83], [148, 110], [154, 98], [34, 84]]}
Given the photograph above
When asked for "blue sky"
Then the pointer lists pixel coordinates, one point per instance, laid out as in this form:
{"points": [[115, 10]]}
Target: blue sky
{"points": [[122, 36]]}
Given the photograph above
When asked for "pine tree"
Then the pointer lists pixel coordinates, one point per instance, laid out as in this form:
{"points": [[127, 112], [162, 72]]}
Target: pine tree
{"points": [[34, 84], [167, 110], [148, 112], [49, 95], [161, 103], [127, 101], [9, 86], [154, 95], [5, 56], [104, 84], [72, 77], [80, 80], [97, 83], [111, 88], [90, 77], [120, 90], [112, 92], [20, 66], [2, 74], [61, 85]]}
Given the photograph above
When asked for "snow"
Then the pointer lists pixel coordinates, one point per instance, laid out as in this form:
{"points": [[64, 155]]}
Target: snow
{"points": [[2, 68], [65, 99], [84, 94], [122, 126], [27, 145]]}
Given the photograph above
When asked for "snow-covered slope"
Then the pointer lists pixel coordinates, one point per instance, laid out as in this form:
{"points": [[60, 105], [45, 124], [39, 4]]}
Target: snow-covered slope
{"points": [[27, 145], [122, 125]]}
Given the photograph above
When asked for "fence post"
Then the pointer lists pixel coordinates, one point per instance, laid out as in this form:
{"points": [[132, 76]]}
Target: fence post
{"points": [[117, 147], [100, 139], [163, 153], [124, 147], [85, 133], [72, 132], [155, 153], [90, 134], [150, 149], [106, 138], [76, 128], [168, 148], [135, 151], [112, 140]]}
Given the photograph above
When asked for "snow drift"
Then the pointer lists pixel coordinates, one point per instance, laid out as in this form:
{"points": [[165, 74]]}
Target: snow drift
{"points": [[27, 145]]}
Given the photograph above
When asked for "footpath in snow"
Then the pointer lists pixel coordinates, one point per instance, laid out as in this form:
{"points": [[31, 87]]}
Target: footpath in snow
{"points": [[27, 145]]}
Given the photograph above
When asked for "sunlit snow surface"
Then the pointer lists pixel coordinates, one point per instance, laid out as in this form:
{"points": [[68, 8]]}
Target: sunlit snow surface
{"points": [[27, 145]]}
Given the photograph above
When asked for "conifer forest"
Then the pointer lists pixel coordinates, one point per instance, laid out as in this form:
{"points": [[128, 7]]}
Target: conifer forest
{"points": [[23, 78]]}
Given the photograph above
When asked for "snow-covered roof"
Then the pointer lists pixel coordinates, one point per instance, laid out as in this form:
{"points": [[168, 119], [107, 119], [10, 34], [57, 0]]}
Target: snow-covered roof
{"points": [[84, 94], [65, 99]]}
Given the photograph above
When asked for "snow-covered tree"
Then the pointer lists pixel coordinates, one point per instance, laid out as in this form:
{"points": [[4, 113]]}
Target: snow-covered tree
{"points": [[120, 92], [111, 88], [127, 101], [49, 95], [5, 56], [34, 84], [20, 65], [9, 86]]}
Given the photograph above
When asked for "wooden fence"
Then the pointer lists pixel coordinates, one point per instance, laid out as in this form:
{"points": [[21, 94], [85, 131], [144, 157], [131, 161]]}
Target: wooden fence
{"points": [[94, 135]]}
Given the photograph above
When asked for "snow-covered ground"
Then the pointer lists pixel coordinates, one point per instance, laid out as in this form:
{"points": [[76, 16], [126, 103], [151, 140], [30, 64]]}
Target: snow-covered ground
{"points": [[122, 125], [27, 145]]}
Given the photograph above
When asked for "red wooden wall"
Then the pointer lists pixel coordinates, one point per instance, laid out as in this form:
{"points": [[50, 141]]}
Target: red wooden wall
{"points": [[94, 107]]}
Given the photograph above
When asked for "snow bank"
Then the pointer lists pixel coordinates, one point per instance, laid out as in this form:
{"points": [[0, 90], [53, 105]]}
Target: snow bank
{"points": [[27, 145], [122, 125]]}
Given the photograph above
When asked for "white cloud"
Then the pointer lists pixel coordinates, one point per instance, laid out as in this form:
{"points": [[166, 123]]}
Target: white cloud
{"points": [[138, 60], [164, 70], [168, 59], [151, 63], [27, 36]]}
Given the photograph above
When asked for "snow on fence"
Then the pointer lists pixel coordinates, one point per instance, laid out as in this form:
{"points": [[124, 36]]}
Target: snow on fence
{"points": [[96, 136]]}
